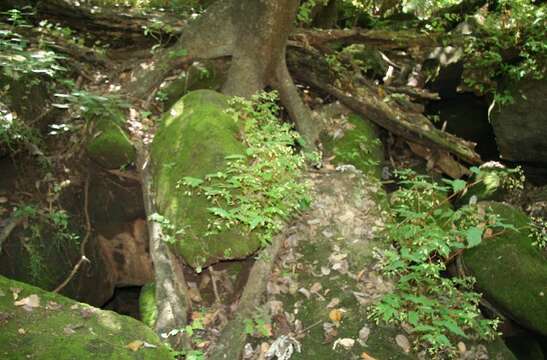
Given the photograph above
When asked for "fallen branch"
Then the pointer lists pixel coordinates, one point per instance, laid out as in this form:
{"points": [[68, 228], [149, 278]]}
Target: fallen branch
{"points": [[383, 39], [413, 127], [83, 258]]}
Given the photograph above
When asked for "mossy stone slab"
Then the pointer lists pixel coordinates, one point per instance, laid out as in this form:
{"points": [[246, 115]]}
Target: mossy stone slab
{"points": [[61, 329], [193, 140], [512, 272]]}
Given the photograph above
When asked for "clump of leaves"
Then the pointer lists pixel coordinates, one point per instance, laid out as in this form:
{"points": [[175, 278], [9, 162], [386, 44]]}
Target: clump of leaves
{"points": [[263, 187], [427, 234], [510, 42], [538, 232]]}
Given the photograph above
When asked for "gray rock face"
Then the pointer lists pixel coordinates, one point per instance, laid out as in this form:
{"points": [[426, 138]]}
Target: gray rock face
{"points": [[521, 127]]}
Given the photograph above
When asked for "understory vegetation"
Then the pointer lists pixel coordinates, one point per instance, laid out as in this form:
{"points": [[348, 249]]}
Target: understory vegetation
{"points": [[374, 61], [264, 187]]}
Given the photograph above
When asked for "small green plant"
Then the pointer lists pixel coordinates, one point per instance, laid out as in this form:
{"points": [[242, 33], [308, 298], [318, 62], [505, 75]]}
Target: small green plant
{"points": [[170, 232], [538, 232], [427, 234], [258, 326], [263, 187]]}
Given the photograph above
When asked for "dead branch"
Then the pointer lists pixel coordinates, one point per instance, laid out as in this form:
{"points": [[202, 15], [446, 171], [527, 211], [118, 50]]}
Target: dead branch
{"points": [[413, 127], [383, 39]]}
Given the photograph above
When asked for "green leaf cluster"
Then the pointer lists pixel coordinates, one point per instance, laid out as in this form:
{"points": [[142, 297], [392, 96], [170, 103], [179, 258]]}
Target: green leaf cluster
{"points": [[427, 234], [263, 187]]}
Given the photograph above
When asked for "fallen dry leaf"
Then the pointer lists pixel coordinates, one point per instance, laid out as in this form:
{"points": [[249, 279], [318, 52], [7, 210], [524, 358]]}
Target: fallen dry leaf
{"points": [[346, 343], [366, 356], [403, 342], [364, 333], [315, 288], [30, 302], [336, 315], [135, 345], [52, 305], [15, 292], [333, 303]]}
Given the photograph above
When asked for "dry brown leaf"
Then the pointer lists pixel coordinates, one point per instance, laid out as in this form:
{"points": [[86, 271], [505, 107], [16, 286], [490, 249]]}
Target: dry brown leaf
{"points": [[403, 342], [315, 288], [15, 292], [366, 356], [32, 301], [333, 303], [336, 315], [346, 343], [135, 345]]}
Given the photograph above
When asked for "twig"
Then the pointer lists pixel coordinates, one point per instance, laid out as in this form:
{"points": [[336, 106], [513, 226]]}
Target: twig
{"points": [[83, 258], [125, 174], [309, 327], [213, 280]]}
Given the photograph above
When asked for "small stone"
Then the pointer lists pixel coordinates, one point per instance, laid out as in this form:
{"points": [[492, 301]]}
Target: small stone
{"points": [[364, 333], [462, 348], [403, 342]]}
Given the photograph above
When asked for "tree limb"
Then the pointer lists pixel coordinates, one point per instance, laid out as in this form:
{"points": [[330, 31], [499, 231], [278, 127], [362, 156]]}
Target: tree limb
{"points": [[414, 127]]}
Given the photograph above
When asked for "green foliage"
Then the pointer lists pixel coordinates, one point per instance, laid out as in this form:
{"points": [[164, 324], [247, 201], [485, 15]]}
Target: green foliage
{"points": [[538, 232], [46, 228], [427, 234], [262, 188], [90, 105], [18, 57], [510, 43], [169, 231]]}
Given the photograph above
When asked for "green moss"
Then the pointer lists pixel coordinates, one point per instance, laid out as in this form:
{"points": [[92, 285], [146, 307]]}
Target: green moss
{"points": [[73, 331], [193, 140], [359, 146], [110, 146], [147, 304], [511, 271]]}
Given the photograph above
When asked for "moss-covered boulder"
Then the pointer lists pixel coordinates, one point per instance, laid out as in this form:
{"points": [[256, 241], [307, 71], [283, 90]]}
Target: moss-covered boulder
{"points": [[42, 325], [147, 304], [512, 272], [355, 142], [109, 145], [193, 140]]}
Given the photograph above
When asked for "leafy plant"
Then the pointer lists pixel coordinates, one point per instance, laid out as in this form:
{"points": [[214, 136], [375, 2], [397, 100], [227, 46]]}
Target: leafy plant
{"points": [[261, 189], [427, 234]]}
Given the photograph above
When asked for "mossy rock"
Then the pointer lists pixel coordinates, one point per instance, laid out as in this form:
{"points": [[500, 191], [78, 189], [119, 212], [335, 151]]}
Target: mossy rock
{"points": [[512, 272], [147, 304], [193, 140], [340, 225], [109, 145], [358, 145], [61, 328]]}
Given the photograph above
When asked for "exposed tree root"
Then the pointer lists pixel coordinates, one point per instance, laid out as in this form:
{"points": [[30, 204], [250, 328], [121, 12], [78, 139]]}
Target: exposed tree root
{"points": [[172, 300], [232, 339]]}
